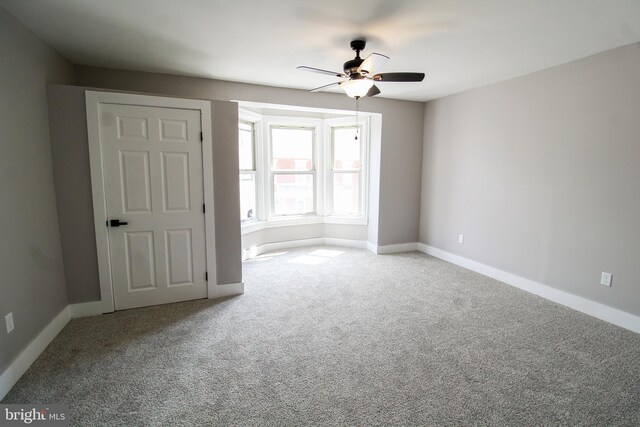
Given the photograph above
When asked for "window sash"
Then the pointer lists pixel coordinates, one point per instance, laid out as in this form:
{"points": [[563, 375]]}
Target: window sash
{"points": [[312, 196], [334, 170], [311, 171], [334, 194], [255, 195], [312, 130], [333, 148], [244, 126]]}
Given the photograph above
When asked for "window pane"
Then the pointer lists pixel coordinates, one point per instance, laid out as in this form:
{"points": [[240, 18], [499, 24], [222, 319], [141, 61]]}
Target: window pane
{"points": [[292, 149], [245, 133], [346, 193], [247, 196], [346, 149], [292, 194]]}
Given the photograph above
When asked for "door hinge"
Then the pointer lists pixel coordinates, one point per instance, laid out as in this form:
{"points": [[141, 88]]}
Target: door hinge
{"points": [[204, 208], [206, 276], [201, 137]]}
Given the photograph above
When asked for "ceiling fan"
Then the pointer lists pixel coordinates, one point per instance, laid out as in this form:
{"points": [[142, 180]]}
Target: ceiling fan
{"points": [[359, 73]]}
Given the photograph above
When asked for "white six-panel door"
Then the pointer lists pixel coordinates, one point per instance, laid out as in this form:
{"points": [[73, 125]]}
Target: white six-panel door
{"points": [[153, 180]]}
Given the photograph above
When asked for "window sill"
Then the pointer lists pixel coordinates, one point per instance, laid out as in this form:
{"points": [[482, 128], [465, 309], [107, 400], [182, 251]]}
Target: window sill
{"points": [[253, 226]]}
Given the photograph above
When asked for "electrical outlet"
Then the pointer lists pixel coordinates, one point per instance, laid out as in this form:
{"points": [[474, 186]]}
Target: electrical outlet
{"points": [[9, 321], [460, 238], [605, 279]]}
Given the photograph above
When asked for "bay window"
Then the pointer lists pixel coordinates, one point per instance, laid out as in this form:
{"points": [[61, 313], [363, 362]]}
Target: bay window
{"points": [[297, 170]]}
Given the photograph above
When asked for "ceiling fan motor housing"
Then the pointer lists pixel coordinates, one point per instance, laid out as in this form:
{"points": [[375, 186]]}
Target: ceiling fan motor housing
{"points": [[351, 67]]}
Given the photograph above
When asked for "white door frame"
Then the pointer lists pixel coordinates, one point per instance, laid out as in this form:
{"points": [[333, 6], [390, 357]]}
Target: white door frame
{"points": [[93, 99]]}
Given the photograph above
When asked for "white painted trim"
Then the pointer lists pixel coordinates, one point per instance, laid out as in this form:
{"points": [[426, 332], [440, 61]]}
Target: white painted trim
{"points": [[229, 289], [394, 249], [350, 243], [86, 309], [255, 251], [584, 305], [19, 366], [253, 226], [209, 216], [93, 99], [99, 202], [372, 247]]}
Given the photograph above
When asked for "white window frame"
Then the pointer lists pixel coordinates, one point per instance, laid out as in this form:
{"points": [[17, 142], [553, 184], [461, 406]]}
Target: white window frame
{"points": [[364, 136], [246, 116], [271, 122], [323, 177], [253, 171]]}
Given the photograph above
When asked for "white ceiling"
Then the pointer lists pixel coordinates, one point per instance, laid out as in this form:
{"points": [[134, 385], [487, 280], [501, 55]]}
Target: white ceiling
{"points": [[459, 44]]}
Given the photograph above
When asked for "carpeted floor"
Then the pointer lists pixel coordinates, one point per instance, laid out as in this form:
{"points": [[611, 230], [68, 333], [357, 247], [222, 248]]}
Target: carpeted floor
{"points": [[336, 336]]}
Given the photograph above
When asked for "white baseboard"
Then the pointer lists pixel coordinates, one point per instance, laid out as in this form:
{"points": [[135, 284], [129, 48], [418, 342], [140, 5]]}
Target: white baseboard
{"points": [[255, 251], [360, 244], [584, 305], [86, 309], [394, 249], [229, 289], [24, 360], [372, 247]]}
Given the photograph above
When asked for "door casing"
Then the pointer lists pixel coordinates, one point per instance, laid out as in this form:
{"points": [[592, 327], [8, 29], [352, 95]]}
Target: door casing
{"points": [[93, 100]]}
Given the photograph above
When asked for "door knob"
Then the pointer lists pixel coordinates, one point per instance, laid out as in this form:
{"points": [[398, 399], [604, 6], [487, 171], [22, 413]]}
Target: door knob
{"points": [[117, 223]]}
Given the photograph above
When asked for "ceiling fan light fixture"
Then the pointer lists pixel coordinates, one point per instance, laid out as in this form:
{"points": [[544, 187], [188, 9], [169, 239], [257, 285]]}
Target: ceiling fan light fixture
{"points": [[357, 88]]}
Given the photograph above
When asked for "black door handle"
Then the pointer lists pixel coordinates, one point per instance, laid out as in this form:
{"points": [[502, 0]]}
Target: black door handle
{"points": [[117, 223]]}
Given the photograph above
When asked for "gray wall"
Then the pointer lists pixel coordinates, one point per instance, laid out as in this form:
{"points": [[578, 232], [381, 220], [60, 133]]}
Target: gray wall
{"points": [[402, 126], [542, 176], [72, 177], [224, 123], [32, 285]]}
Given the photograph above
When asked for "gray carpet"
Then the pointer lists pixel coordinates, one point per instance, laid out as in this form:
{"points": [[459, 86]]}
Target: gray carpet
{"points": [[335, 336]]}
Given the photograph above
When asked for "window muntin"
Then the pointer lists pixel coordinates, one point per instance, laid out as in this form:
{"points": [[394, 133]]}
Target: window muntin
{"points": [[247, 169]]}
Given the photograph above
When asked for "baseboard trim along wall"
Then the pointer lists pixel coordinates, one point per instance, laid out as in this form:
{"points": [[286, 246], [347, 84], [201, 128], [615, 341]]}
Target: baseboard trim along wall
{"points": [[86, 309], [24, 360], [229, 289], [394, 249], [584, 305]]}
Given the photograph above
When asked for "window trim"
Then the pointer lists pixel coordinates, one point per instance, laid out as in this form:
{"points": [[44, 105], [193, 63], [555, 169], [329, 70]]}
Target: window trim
{"points": [[253, 119], [323, 165], [270, 122], [365, 130]]}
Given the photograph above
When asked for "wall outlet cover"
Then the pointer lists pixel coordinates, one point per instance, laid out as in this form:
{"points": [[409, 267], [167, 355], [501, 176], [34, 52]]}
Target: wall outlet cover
{"points": [[460, 238], [8, 319], [605, 279]]}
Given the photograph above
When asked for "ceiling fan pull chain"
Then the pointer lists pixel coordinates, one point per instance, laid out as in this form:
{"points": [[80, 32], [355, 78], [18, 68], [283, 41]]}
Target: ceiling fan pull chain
{"points": [[357, 110]]}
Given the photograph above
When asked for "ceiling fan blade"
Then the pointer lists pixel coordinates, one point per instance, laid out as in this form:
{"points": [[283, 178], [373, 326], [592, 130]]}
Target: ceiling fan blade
{"points": [[325, 86], [399, 77], [372, 63], [373, 91], [321, 71]]}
